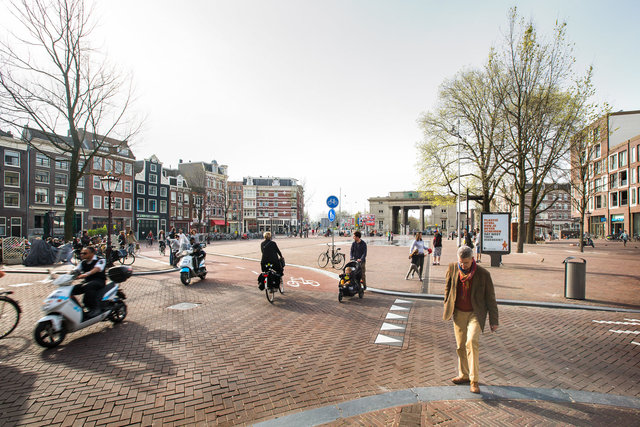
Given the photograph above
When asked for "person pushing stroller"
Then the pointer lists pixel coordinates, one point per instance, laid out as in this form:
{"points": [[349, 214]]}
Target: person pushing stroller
{"points": [[350, 281]]}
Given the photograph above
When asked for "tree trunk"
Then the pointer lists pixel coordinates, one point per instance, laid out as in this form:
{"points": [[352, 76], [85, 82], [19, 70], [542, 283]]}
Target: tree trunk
{"points": [[581, 233], [521, 224]]}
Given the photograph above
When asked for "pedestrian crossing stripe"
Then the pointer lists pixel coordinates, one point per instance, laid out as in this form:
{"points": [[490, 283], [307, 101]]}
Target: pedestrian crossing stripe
{"points": [[394, 316], [398, 308], [384, 339], [392, 327], [402, 301]]}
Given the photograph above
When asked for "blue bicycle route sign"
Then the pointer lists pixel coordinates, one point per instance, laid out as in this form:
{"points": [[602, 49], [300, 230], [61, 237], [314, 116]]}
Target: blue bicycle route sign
{"points": [[332, 201], [332, 215]]}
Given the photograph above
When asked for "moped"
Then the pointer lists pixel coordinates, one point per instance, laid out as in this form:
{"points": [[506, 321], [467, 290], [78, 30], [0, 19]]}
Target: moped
{"points": [[64, 314], [187, 270]]}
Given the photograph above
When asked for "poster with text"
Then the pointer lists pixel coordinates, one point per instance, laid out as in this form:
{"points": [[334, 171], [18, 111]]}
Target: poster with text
{"points": [[496, 232]]}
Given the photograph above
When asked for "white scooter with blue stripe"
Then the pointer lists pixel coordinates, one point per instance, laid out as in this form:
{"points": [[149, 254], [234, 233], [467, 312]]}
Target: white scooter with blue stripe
{"points": [[187, 271], [63, 313]]}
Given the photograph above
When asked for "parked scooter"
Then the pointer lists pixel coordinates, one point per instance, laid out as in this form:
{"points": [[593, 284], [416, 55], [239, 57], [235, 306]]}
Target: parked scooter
{"points": [[65, 314], [192, 264]]}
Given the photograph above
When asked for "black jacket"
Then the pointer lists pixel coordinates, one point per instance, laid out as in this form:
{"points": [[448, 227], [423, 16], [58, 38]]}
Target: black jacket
{"points": [[270, 254]]}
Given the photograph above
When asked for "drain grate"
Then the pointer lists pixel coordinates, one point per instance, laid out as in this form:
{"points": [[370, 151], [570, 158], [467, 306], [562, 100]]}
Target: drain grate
{"points": [[183, 306]]}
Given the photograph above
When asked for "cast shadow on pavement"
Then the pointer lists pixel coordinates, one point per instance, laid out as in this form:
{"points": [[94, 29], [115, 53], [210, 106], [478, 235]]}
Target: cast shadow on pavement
{"points": [[15, 394], [130, 360]]}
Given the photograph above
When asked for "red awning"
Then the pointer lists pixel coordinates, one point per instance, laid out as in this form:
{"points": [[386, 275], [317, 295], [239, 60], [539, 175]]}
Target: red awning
{"points": [[218, 222]]}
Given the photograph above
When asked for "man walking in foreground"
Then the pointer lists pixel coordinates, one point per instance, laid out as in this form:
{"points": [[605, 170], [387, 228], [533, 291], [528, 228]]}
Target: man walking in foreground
{"points": [[468, 297]]}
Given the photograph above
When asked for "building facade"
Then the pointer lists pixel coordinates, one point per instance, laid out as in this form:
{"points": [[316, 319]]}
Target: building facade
{"points": [[614, 171], [234, 207], [209, 183], [273, 204], [180, 198], [151, 193], [13, 186]]}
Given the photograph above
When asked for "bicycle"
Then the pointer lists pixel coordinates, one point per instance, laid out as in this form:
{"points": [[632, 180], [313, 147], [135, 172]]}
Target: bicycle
{"points": [[162, 247], [272, 282], [337, 258], [9, 313]]}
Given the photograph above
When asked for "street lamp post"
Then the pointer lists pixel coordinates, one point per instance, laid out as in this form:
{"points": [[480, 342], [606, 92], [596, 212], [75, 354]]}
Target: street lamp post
{"points": [[109, 184]]}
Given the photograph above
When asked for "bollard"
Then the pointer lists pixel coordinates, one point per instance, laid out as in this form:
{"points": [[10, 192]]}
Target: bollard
{"points": [[574, 277]]}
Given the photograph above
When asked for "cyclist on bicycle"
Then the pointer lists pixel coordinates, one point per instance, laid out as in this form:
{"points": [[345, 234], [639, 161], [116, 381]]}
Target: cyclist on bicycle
{"points": [[122, 240], [271, 254]]}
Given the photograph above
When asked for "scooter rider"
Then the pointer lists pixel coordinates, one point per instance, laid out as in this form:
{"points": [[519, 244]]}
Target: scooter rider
{"points": [[198, 253], [92, 271]]}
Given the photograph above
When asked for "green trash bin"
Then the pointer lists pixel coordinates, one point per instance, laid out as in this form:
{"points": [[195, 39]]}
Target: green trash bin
{"points": [[575, 276]]}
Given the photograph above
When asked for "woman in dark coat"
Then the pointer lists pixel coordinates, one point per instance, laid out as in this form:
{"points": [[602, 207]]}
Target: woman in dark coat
{"points": [[270, 254]]}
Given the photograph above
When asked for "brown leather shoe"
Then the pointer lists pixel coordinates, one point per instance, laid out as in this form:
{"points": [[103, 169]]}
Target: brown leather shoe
{"points": [[474, 388], [460, 380]]}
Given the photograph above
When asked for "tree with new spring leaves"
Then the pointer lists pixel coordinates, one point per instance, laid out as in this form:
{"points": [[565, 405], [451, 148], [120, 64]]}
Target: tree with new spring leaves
{"points": [[53, 81]]}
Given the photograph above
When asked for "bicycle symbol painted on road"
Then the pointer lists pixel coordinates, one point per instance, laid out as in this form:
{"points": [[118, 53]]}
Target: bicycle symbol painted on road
{"points": [[295, 282]]}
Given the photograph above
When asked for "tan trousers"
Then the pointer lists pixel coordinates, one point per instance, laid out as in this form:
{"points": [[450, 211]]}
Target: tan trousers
{"points": [[467, 330]]}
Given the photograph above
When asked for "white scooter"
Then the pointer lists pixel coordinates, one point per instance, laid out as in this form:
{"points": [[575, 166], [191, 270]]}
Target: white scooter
{"points": [[65, 314], [186, 267]]}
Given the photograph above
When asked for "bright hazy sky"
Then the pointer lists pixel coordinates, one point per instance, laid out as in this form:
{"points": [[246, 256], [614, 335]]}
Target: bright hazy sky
{"points": [[328, 92]]}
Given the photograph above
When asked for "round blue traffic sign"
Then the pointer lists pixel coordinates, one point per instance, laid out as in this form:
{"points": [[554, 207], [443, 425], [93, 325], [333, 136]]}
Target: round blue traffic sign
{"points": [[332, 201], [332, 215]]}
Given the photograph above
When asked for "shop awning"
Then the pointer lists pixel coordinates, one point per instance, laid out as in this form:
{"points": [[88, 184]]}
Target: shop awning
{"points": [[218, 222]]}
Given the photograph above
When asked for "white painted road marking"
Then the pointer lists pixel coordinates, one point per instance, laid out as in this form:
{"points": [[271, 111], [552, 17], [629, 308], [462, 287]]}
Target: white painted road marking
{"points": [[624, 332], [384, 339], [393, 316], [17, 285], [392, 327], [402, 301], [611, 322]]}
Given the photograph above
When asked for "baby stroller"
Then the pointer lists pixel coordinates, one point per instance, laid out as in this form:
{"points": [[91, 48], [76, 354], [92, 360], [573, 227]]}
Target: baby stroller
{"points": [[349, 283]]}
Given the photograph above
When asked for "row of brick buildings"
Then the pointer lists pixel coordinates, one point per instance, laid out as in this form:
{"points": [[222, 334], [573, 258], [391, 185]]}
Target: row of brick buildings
{"points": [[614, 175], [149, 197]]}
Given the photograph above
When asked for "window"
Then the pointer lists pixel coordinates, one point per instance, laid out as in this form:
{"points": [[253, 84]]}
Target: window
{"points": [[180, 197], [622, 177], [163, 192], [173, 211], [97, 202], [596, 168], [180, 211], [596, 150], [153, 205], [633, 176], [622, 159], [80, 199], [633, 197], [62, 164], [633, 155], [119, 186], [3, 226], [127, 204], [613, 162], [11, 179], [60, 197], [42, 195], [186, 197], [81, 182], [140, 204], [173, 197], [42, 160], [108, 165], [105, 202], [153, 179], [613, 181], [42, 177], [614, 199], [11, 199], [11, 158], [624, 198], [97, 184], [117, 203], [128, 169], [127, 186], [153, 190], [118, 167], [61, 179], [97, 163], [140, 188], [163, 206], [152, 168]]}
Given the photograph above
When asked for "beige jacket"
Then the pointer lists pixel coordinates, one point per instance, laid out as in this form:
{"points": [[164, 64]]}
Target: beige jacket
{"points": [[483, 297]]}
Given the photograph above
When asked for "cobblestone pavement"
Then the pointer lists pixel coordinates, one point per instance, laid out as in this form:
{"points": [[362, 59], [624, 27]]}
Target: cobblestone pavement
{"points": [[236, 359]]}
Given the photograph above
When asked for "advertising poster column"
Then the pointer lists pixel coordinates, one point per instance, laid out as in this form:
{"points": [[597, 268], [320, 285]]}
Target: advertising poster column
{"points": [[496, 235]]}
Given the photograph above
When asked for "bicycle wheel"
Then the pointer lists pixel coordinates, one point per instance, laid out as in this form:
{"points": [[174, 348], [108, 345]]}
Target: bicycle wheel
{"points": [[323, 260], [270, 293], [338, 261], [9, 316], [281, 287], [129, 259]]}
